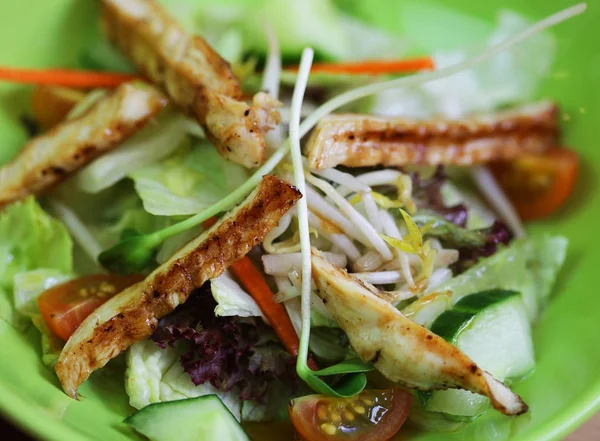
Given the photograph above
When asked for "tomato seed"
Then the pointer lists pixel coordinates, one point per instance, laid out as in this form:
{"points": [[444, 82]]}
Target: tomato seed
{"points": [[328, 429], [348, 416], [358, 409], [322, 413], [335, 418]]}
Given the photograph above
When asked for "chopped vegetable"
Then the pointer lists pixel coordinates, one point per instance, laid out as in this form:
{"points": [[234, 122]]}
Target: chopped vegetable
{"points": [[256, 285], [31, 239], [241, 355], [64, 307], [539, 185], [372, 415], [154, 375], [192, 178], [203, 418], [65, 77], [372, 67]]}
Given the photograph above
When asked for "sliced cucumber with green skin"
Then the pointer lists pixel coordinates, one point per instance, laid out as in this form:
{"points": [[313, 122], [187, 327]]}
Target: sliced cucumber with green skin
{"points": [[203, 418], [492, 328]]}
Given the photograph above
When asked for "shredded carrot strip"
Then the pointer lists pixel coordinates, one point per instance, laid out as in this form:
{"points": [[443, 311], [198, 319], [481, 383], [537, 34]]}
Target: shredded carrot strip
{"points": [[372, 67], [257, 287], [65, 77]]}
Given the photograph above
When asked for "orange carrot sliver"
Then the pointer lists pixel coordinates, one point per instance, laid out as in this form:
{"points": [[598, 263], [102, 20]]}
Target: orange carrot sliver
{"points": [[372, 67], [65, 77], [253, 281]]}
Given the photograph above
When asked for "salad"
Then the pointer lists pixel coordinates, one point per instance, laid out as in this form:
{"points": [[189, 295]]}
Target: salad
{"points": [[266, 223]]}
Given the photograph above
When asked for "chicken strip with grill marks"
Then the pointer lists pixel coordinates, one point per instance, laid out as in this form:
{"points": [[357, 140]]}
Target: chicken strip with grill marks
{"points": [[133, 314], [404, 352], [367, 140], [194, 76], [49, 158]]}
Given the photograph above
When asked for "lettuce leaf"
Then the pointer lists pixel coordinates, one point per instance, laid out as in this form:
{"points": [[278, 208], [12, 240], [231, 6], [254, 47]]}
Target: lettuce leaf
{"points": [[508, 78], [231, 299], [27, 288], [30, 239], [50, 343], [108, 214], [9, 314], [239, 354], [155, 142], [187, 181], [30, 284], [155, 375], [234, 27], [529, 266]]}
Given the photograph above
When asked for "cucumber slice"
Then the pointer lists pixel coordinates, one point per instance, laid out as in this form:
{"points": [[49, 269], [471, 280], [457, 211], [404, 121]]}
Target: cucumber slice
{"points": [[431, 421], [491, 327], [203, 418]]}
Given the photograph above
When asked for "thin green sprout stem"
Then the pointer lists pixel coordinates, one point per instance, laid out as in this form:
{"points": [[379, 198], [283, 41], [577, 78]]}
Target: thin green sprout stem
{"points": [[299, 181]]}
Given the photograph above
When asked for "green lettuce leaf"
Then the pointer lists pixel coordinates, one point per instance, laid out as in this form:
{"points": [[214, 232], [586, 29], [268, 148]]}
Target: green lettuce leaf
{"points": [[151, 144], [188, 181], [529, 266], [155, 375], [450, 233], [30, 284], [30, 239], [27, 288], [9, 314], [110, 213], [50, 343]]}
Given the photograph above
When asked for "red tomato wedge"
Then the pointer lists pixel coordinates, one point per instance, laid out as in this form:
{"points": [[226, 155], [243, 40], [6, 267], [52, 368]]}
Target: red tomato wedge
{"points": [[538, 185], [372, 415], [64, 307]]}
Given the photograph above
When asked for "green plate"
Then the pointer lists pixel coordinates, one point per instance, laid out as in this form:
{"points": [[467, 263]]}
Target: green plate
{"points": [[565, 388]]}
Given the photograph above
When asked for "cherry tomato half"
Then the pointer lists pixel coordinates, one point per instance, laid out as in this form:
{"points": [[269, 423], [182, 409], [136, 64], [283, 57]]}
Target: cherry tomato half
{"points": [[538, 185], [372, 415], [64, 307]]}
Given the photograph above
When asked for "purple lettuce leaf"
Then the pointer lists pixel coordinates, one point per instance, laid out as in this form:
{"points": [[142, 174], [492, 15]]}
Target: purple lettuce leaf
{"points": [[227, 352]]}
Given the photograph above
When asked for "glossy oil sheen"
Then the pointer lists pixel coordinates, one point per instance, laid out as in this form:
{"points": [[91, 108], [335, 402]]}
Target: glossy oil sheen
{"points": [[563, 391]]}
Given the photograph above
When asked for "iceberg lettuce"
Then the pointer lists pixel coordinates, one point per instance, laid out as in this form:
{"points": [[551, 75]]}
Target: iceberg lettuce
{"points": [[231, 299], [155, 142], [30, 284], [30, 239], [27, 288], [188, 181], [154, 375]]}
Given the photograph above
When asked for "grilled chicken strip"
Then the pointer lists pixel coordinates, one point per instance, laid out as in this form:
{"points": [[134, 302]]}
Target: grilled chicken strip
{"points": [[133, 314], [195, 77], [367, 140], [401, 350], [49, 158]]}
